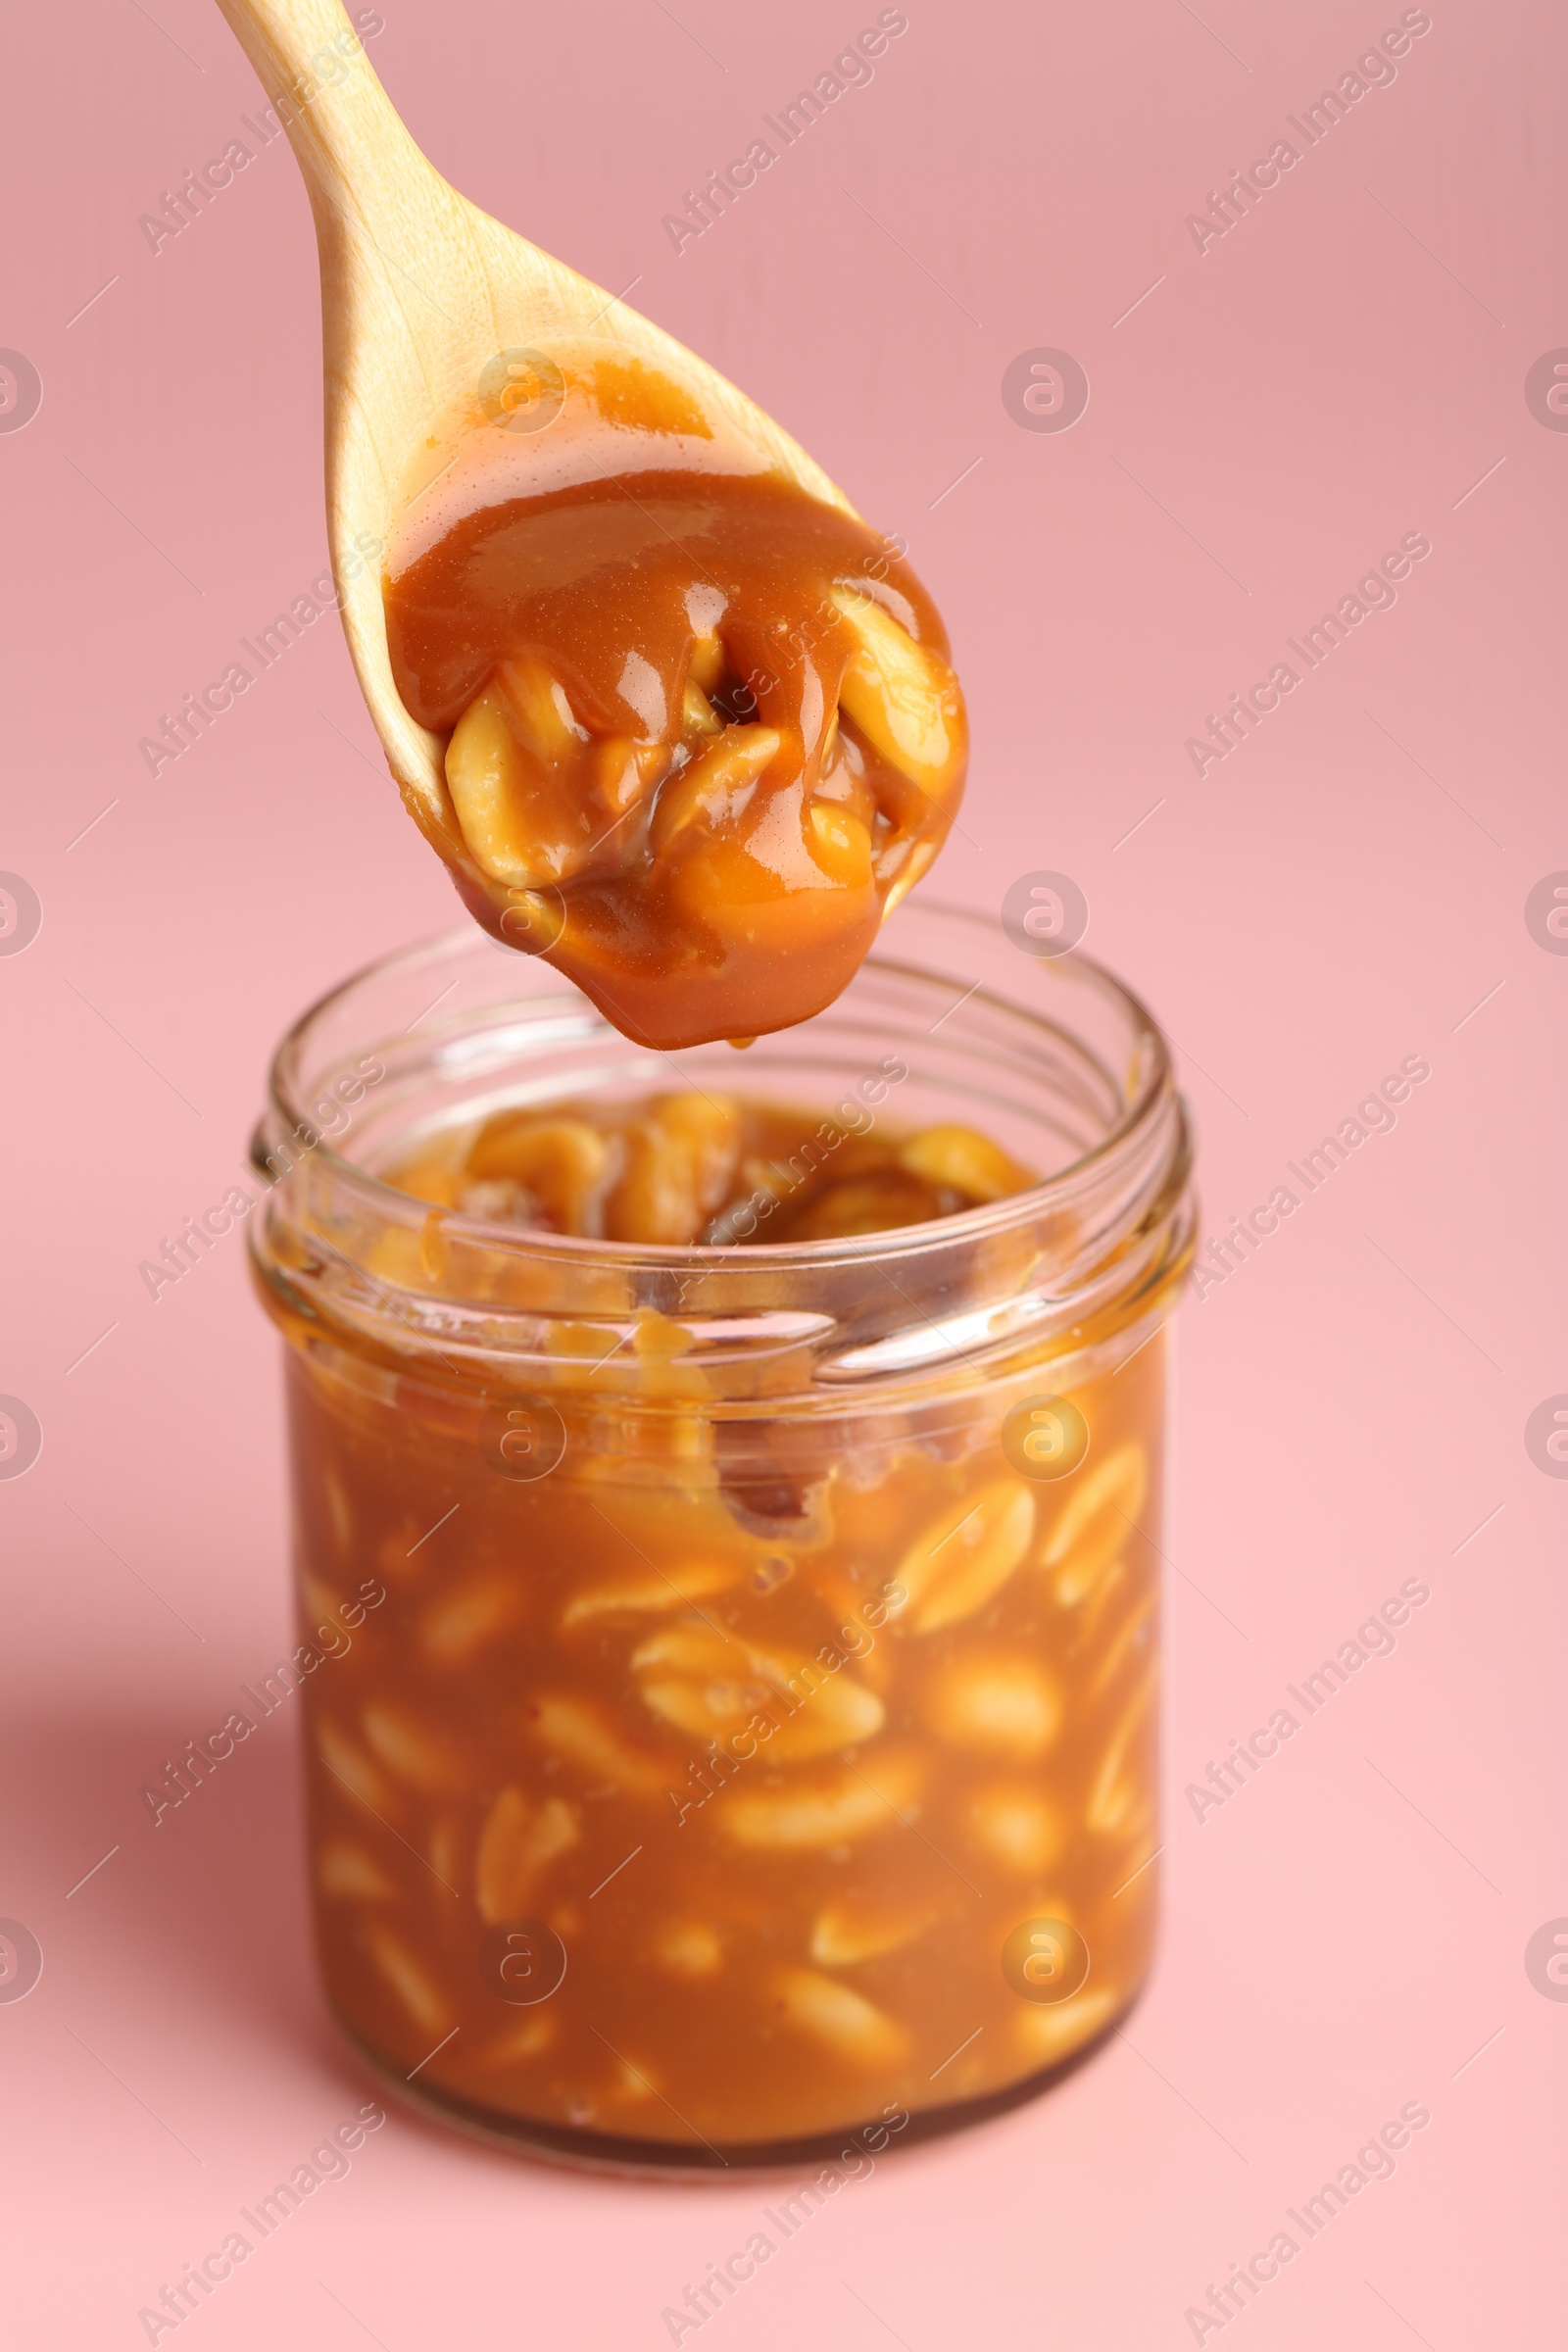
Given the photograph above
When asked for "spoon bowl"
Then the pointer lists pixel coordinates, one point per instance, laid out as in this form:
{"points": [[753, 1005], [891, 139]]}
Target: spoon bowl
{"points": [[428, 307]]}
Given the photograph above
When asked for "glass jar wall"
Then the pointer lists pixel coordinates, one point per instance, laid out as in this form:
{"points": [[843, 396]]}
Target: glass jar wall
{"points": [[734, 1711]]}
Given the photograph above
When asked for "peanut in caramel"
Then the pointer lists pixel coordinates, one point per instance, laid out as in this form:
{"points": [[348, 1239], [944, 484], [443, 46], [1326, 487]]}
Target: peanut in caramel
{"points": [[695, 1787]]}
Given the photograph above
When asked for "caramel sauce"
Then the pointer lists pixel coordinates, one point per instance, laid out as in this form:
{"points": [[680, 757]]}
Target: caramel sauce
{"points": [[710, 1169], [702, 730], [706, 1785]]}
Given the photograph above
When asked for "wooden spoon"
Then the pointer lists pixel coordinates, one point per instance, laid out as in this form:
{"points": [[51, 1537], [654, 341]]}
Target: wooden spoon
{"points": [[419, 290]]}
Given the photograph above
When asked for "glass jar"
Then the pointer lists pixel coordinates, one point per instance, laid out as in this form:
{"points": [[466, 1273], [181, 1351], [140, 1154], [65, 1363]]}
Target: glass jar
{"points": [[730, 1672]]}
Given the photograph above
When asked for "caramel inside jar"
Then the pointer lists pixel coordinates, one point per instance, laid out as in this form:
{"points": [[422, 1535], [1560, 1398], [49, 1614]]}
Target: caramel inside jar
{"points": [[701, 728], [698, 1786], [710, 1168]]}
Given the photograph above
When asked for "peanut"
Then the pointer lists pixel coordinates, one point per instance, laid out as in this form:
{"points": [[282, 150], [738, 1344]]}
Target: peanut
{"points": [[963, 1161], [573, 1728], [536, 704], [1018, 1828], [1134, 1634], [903, 698], [351, 1874], [832, 2013], [713, 1687], [1121, 1786], [1047, 2032], [900, 865], [688, 1948], [839, 842], [1095, 1522], [461, 1624], [998, 1706], [864, 1205], [698, 713], [710, 788], [350, 1764], [535, 793], [520, 1839], [966, 1555], [825, 1812], [527, 2041], [848, 1933], [653, 1595], [495, 790], [408, 1977], [562, 1162], [680, 1164], [424, 1759], [339, 1516], [707, 665]]}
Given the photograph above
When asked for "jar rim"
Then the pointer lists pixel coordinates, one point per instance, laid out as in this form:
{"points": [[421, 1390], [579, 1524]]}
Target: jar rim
{"points": [[1151, 1100]]}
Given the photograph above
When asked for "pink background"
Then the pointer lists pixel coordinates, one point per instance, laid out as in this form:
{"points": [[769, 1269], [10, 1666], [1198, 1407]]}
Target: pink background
{"points": [[1341, 369]]}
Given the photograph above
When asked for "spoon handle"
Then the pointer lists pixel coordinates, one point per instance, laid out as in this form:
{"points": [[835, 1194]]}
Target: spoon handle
{"points": [[348, 138]]}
